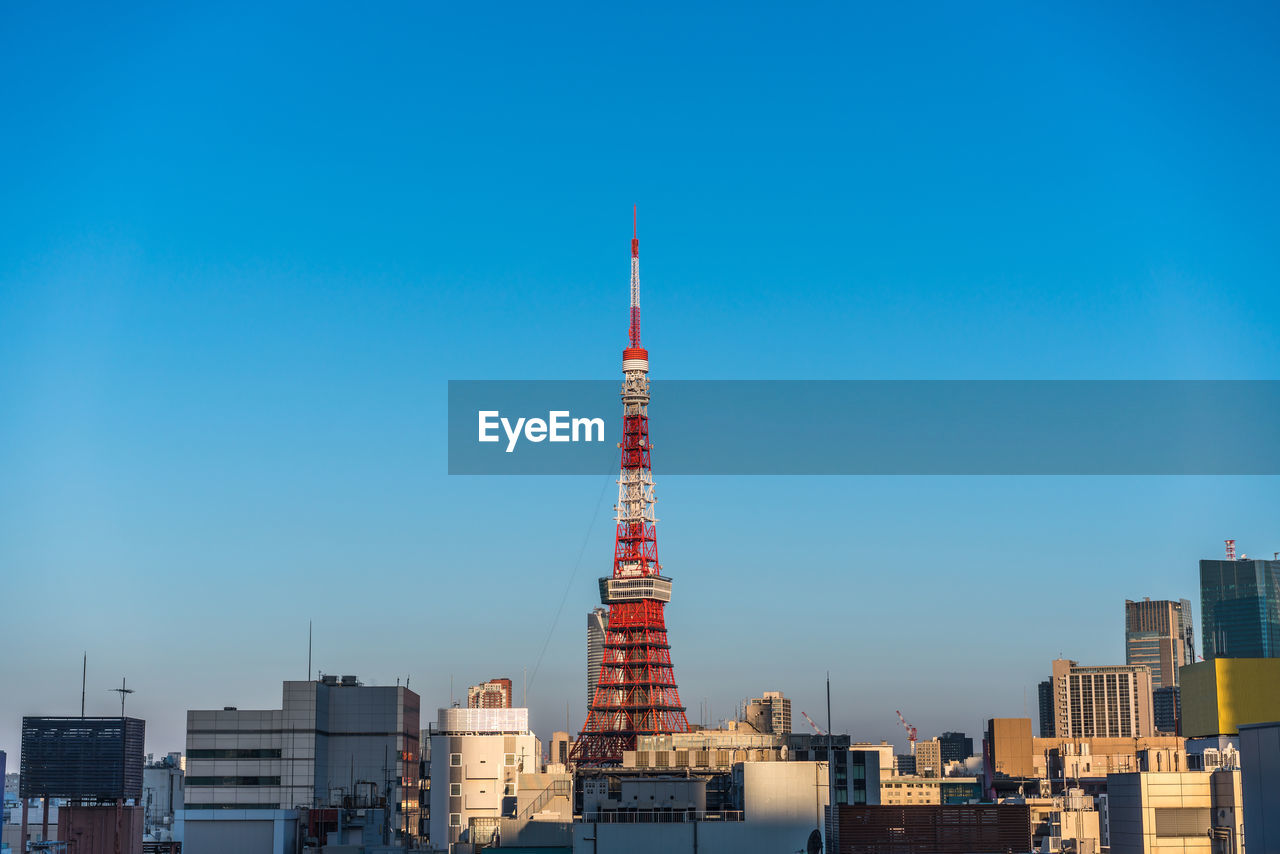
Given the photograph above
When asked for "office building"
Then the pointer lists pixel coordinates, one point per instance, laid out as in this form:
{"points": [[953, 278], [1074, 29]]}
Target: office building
{"points": [[333, 743], [87, 763], [1240, 608], [1220, 695], [477, 756], [597, 624], [929, 758], [1166, 709], [1105, 701], [1045, 693], [770, 713], [955, 747], [494, 694], [1260, 785], [1160, 635]]}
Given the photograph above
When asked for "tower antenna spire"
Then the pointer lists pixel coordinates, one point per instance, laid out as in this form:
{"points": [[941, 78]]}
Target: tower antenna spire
{"points": [[635, 277]]}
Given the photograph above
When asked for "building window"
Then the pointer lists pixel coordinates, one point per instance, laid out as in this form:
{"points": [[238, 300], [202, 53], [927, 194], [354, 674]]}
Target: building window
{"points": [[510, 759], [455, 819], [455, 790], [455, 760]]}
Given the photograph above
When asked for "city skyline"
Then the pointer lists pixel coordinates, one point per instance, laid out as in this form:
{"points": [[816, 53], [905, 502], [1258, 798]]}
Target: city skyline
{"points": [[231, 307]]}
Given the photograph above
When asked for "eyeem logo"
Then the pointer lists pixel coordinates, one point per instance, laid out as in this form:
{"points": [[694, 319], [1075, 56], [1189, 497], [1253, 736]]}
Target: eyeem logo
{"points": [[557, 427]]}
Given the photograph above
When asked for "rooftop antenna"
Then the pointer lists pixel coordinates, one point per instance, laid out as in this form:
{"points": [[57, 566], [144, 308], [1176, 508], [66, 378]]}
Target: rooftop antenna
{"points": [[308, 650], [829, 730], [84, 674], [1231, 549], [124, 691]]}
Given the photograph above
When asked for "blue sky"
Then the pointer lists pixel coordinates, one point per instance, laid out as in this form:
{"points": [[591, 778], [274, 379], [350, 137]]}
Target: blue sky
{"points": [[242, 251]]}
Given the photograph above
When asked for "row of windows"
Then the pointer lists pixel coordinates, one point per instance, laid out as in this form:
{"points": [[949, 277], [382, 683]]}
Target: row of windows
{"points": [[231, 806], [233, 781], [455, 760], [236, 753]]}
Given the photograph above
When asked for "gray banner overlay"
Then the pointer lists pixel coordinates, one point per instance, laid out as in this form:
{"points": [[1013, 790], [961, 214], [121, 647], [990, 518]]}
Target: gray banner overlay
{"points": [[876, 427]]}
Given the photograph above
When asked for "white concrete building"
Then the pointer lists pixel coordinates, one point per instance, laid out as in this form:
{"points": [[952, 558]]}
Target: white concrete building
{"points": [[477, 756], [784, 804], [162, 797]]}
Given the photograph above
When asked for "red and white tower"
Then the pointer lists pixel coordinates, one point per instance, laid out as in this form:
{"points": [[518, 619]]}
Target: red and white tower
{"points": [[636, 692]]}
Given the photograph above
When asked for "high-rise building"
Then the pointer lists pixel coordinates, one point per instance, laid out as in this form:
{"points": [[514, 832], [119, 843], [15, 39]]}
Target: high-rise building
{"points": [[1240, 608], [494, 694], [1166, 709], [770, 713], [955, 747], [1159, 634], [1045, 692], [597, 625], [928, 758], [333, 742], [1104, 702]]}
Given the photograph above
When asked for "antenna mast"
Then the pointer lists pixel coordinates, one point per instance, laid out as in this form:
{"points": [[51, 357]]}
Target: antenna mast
{"points": [[124, 691]]}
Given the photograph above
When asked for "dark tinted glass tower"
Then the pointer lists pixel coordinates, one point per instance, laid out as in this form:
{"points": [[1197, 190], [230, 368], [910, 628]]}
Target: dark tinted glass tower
{"points": [[1240, 606], [1045, 692]]}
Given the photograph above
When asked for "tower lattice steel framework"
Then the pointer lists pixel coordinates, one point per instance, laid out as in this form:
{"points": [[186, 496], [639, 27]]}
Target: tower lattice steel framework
{"points": [[636, 692]]}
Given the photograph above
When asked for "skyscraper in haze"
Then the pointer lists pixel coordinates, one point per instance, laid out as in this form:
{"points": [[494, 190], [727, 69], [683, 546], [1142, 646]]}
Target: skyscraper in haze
{"points": [[597, 622], [1240, 608], [1159, 634]]}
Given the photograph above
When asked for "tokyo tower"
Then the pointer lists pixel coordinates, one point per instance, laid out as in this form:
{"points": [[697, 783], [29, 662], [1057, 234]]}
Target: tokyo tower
{"points": [[636, 691]]}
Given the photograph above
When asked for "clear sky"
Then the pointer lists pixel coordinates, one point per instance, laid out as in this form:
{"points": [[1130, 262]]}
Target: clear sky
{"points": [[243, 249]]}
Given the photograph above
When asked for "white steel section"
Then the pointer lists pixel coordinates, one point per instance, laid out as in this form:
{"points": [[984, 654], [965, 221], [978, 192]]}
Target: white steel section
{"points": [[635, 281], [635, 486]]}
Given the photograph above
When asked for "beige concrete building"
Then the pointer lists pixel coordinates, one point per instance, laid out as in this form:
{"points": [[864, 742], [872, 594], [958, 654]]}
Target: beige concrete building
{"points": [[1096, 757], [1107, 702], [1175, 812], [902, 791], [769, 713], [929, 758], [1009, 746]]}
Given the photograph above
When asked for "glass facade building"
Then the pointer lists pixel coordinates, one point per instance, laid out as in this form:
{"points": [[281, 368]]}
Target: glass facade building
{"points": [[1240, 608]]}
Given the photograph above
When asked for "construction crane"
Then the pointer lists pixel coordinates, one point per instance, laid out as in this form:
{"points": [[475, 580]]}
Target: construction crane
{"points": [[819, 730], [911, 732]]}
